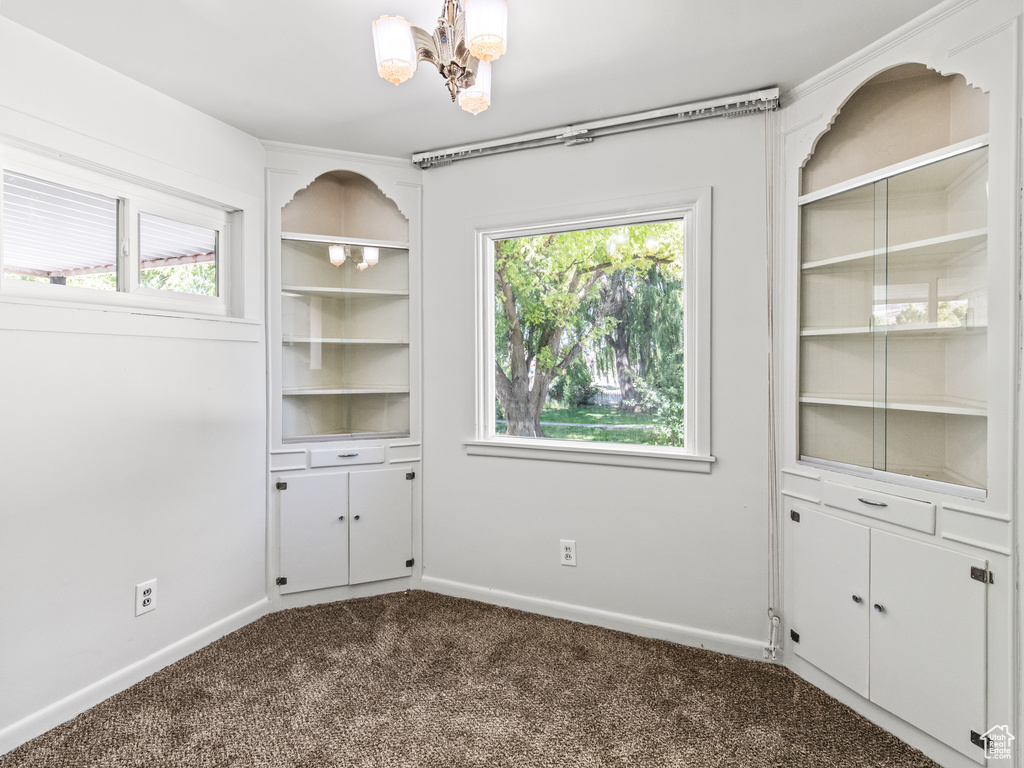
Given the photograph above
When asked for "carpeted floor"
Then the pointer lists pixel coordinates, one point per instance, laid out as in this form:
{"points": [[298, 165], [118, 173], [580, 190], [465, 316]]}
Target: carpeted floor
{"points": [[418, 679]]}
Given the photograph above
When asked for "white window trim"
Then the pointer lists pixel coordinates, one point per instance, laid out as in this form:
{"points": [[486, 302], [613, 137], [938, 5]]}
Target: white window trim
{"points": [[694, 207], [187, 212], [137, 196]]}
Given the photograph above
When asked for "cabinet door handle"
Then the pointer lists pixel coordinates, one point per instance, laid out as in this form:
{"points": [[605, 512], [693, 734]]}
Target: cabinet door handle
{"points": [[347, 455], [342, 517], [872, 503], [856, 598], [356, 517], [879, 607]]}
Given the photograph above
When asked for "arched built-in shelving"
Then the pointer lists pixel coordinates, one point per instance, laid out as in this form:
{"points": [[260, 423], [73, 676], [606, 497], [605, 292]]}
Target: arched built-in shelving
{"points": [[893, 282]]}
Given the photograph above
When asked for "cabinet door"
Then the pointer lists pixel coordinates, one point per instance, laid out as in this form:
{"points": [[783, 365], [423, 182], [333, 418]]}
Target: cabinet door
{"points": [[381, 531], [928, 641], [830, 591], [314, 526]]}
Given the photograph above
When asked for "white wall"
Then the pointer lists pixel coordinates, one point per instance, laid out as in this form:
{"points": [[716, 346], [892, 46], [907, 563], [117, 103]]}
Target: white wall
{"points": [[131, 445], [666, 553]]}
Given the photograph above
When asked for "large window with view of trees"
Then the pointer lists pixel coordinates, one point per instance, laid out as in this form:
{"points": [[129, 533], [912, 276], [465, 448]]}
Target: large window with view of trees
{"points": [[589, 334]]}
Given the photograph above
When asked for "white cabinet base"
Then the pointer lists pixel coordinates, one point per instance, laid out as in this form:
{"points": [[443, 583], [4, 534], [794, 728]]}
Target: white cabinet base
{"points": [[928, 643], [380, 535], [314, 524], [900, 622], [831, 611], [340, 528]]}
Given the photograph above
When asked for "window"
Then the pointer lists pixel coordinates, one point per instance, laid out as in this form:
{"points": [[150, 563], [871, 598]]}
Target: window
{"points": [[596, 335], [177, 256], [109, 241], [59, 235]]}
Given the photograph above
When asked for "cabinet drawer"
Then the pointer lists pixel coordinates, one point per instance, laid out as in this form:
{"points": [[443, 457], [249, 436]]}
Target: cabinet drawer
{"points": [[910, 513], [338, 457]]}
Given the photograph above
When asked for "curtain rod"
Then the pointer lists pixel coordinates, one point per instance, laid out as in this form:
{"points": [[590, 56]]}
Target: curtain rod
{"points": [[583, 133]]}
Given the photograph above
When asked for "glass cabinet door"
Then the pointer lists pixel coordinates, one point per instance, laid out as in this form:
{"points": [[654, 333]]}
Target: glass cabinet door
{"points": [[345, 338], [893, 367], [837, 385], [935, 316]]}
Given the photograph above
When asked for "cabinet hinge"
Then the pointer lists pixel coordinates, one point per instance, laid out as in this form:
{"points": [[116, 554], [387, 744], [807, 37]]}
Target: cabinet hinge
{"points": [[794, 516], [281, 485], [282, 580], [410, 562], [982, 575], [979, 741], [410, 475], [794, 635]]}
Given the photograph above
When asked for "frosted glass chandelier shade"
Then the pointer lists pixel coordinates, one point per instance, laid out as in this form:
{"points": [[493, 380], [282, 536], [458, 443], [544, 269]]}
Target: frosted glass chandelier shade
{"points": [[336, 254], [395, 49], [486, 28], [371, 255], [477, 97]]}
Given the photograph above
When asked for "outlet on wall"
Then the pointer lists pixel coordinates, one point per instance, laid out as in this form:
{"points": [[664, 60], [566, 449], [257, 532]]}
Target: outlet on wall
{"points": [[145, 597], [567, 555]]}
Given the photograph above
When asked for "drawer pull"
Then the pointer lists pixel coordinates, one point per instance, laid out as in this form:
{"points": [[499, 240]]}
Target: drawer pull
{"points": [[347, 455], [872, 503], [856, 598], [879, 607]]}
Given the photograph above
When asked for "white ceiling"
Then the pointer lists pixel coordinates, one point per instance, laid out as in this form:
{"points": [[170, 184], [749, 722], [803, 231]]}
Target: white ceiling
{"points": [[303, 70]]}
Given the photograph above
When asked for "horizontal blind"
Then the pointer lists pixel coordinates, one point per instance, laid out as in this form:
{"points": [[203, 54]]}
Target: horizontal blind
{"points": [[51, 230], [164, 241]]}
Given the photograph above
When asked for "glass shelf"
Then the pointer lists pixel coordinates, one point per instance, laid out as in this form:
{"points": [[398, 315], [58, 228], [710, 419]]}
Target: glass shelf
{"points": [[921, 404]]}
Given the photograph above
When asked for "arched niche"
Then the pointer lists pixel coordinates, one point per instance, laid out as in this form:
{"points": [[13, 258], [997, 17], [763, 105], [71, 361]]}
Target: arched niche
{"points": [[345, 204], [903, 112]]}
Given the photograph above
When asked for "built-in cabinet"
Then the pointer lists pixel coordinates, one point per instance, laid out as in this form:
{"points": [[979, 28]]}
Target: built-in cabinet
{"points": [[339, 528], [898, 331], [901, 622], [893, 319], [343, 281]]}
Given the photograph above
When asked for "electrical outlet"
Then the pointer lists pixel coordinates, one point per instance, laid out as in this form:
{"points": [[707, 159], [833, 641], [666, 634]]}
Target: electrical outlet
{"points": [[145, 597], [568, 552]]}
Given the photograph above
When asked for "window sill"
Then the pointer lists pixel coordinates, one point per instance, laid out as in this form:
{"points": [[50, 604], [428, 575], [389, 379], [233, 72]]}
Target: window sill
{"points": [[27, 314], [608, 454]]}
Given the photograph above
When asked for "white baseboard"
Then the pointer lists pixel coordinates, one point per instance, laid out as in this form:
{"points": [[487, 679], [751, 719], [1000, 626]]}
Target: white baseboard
{"points": [[636, 625], [70, 706]]}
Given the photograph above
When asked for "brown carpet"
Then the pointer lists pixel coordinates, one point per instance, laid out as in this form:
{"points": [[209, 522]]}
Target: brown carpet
{"points": [[417, 679]]}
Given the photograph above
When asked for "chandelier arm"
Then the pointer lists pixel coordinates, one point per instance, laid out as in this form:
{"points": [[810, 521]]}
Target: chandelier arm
{"points": [[426, 48], [461, 49]]}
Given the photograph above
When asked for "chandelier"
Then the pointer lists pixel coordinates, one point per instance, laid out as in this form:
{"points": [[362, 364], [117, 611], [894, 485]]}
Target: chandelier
{"points": [[470, 35]]}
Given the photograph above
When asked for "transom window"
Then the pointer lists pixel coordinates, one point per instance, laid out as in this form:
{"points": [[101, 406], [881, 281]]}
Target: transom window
{"points": [[106, 237]]}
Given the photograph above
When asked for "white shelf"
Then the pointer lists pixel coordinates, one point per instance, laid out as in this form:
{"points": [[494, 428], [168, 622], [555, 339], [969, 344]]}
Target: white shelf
{"points": [[342, 293], [941, 405], [899, 168], [343, 433], [914, 329], [930, 251], [381, 390], [361, 341], [356, 241]]}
